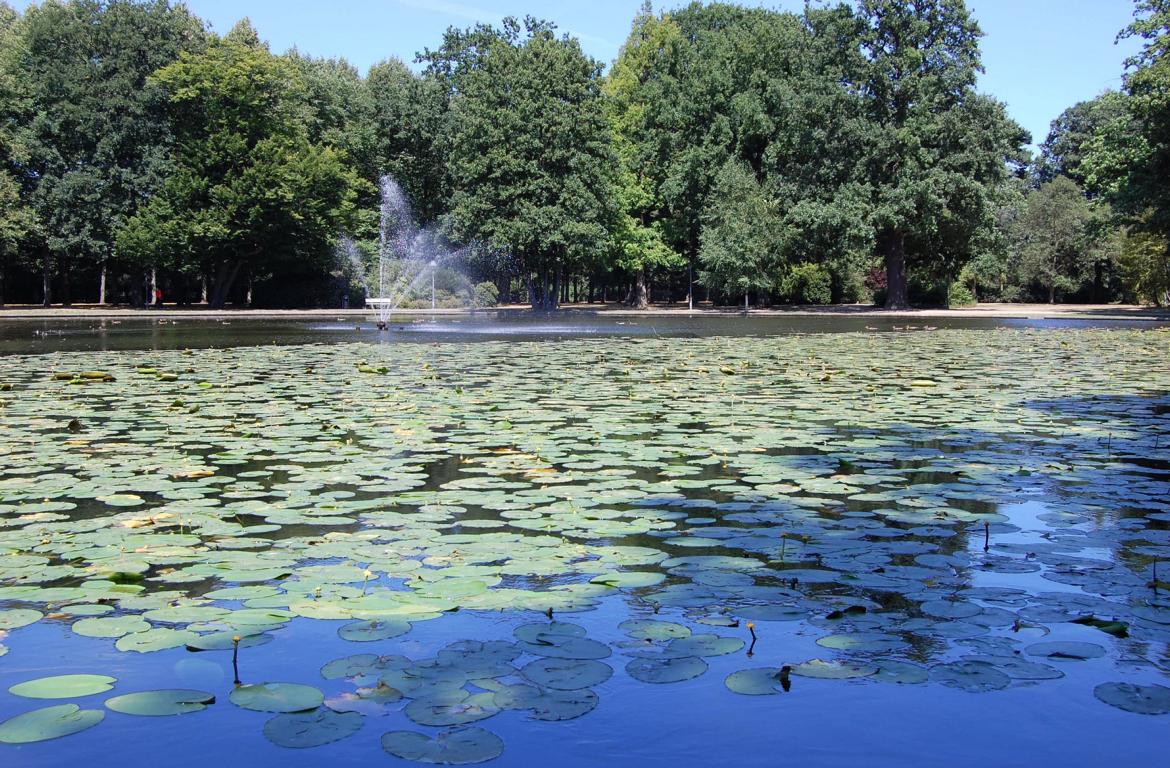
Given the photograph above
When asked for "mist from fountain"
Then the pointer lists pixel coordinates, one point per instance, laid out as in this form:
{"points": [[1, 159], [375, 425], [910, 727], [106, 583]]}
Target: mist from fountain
{"points": [[407, 254]]}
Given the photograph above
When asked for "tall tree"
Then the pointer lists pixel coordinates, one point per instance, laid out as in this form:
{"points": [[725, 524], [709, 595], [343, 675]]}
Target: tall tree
{"points": [[1056, 238], [529, 152], [741, 234], [1063, 151], [638, 236], [408, 115], [96, 143], [15, 217], [937, 149], [249, 192], [1129, 157]]}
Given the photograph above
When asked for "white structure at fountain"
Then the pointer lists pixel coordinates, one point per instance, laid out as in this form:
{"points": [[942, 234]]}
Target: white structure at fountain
{"points": [[407, 255]]}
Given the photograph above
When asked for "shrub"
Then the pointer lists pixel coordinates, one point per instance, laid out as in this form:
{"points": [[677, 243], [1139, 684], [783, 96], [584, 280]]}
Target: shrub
{"points": [[808, 284]]}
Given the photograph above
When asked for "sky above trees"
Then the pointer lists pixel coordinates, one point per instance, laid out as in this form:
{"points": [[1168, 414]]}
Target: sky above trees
{"points": [[1040, 55]]}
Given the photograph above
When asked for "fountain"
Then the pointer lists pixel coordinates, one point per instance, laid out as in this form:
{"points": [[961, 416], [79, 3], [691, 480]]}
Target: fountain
{"points": [[407, 254]]}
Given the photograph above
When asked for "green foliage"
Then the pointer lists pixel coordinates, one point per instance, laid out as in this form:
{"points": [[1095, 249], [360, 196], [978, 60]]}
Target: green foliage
{"points": [[741, 234], [1054, 237], [529, 152], [959, 295], [807, 284], [94, 138], [250, 191], [1063, 152], [486, 294], [1144, 267]]}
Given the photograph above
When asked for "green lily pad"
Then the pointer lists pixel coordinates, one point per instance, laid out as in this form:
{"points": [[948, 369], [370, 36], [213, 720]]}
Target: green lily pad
{"points": [[567, 674], [161, 703], [464, 746], [19, 617], [1066, 650], [48, 723], [63, 686], [649, 629], [666, 670], [832, 670], [303, 730], [112, 626], [277, 697], [761, 681], [440, 712], [1142, 699], [971, 676], [371, 631]]}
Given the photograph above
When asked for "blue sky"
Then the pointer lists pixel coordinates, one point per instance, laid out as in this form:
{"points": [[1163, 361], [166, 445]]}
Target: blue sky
{"points": [[1041, 56]]}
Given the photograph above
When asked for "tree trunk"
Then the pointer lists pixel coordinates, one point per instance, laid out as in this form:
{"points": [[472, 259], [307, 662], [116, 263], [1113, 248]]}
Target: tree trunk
{"points": [[66, 288], [47, 281], [224, 280], [203, 288], [102, 285], [1052, 294], [691, 280], [3, 265], [641, 297], [895, 256]]}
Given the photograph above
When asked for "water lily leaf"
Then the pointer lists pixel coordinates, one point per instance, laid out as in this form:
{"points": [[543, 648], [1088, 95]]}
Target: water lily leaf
{"points": [[161, 703], [1066, 650], [567, 674], [566, 647], [304, 730], [760, 681], [832, 670], [666, 670], [370, 631], [531, 633], [1142, 699], [158, 639], [649, 629], [972, 676], [703, 645], [900, 672], [277, 697], [48, 723], [19, 617], [438, 712], [464, 746], [226, 641], [63, 686], [112, 626], [555, 705]]}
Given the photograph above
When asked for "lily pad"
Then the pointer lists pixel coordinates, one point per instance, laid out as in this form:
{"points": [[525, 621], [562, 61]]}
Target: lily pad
{"points": [[464, 746], [63, 686], [567, 674], [1142, 699], [666, 670], [48, 723], [277, 697], [161, 703], [304, 730], [371, 631], [761, 681]]}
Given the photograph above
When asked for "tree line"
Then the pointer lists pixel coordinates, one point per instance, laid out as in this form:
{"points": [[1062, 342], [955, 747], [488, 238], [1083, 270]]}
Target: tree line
{"points": [[730, 154]]}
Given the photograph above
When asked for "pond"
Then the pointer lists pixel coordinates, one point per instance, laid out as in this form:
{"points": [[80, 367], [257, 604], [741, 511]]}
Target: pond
{"points": [[577, 541]]}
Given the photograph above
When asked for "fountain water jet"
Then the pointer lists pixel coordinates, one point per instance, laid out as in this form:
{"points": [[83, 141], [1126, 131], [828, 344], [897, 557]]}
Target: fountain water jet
{"points": [[407, 254]]}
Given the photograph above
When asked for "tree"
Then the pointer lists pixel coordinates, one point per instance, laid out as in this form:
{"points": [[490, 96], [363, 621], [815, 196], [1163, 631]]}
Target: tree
{"points": [[1063, 151], [1128, 159], [408, 115], [96, 143], [638, 236], [15, 217], [936, 148], [741, 234], [1055, 238], [249, 192], [529, 152]]}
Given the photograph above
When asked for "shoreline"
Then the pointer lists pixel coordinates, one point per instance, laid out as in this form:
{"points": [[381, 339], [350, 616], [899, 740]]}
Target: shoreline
{"points": [[996, 311]]}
